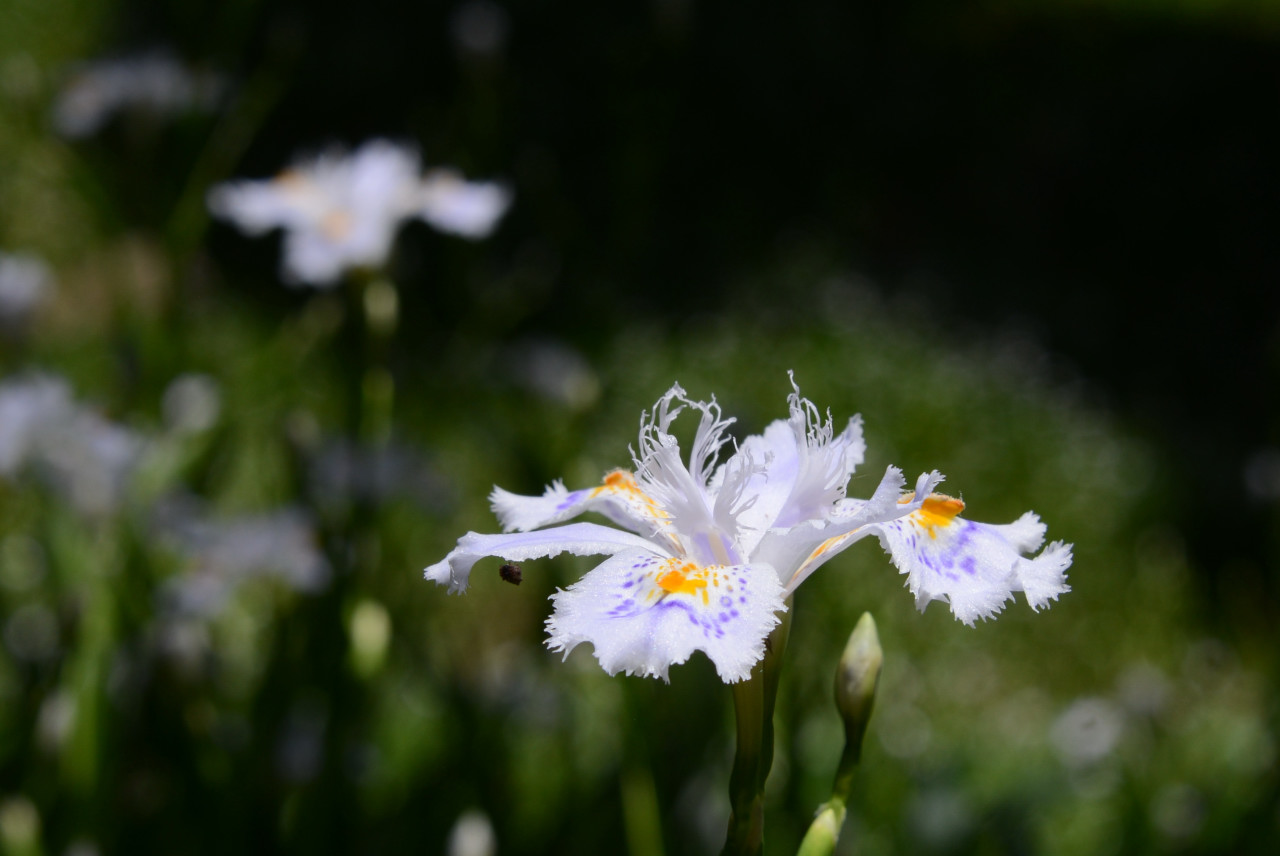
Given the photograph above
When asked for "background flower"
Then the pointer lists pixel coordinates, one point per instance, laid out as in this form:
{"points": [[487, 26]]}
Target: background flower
{"points": [[341, 212]]}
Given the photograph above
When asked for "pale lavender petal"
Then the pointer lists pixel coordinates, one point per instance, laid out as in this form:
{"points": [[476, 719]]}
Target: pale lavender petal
{"points": [[580, 539], [618, 498], [801, 550], [641, 620], [975, 567], [257, 206], [774, 451], [804, 467], [309, 257], [467, 208]]}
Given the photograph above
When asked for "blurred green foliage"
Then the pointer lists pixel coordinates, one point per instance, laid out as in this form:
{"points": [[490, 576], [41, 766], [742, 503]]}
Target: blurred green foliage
{"points": [[370, 714]]}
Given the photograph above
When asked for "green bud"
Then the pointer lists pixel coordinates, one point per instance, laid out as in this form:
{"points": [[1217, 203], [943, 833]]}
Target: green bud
{"points": [[824, 832], [20, 827], [856, 680], [369, 629], [381, 306]]}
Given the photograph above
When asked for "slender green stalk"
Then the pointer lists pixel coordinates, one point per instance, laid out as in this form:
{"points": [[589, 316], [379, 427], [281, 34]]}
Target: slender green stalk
{"points": [[640, 814], [746, 818], [753, 703], [775, 647], [380, 308]]}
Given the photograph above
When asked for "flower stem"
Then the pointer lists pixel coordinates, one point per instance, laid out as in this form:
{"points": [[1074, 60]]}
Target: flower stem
{"points": [[380, 305], [746, 818], [753, 702]]}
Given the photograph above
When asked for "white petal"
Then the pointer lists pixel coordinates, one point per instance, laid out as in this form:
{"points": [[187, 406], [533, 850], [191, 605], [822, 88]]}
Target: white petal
{"points": [[975, 567], [682, 491], [29, 408], [255, 206], [824, 462], [804, 468], [822, 471], [778, 463], [618, 498], [519, 513], [383, 180], [310, 258], [580, 539], [1045, 577], [801, 550], [467, 208], [640, 627]]}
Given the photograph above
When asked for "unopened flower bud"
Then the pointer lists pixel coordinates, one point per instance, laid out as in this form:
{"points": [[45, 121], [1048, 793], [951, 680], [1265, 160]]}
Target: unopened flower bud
{"points": [[856, 679]]}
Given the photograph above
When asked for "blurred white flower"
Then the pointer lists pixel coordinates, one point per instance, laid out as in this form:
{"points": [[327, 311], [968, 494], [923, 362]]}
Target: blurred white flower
{"points": [[940, 818], [27, 407], [220, 554], [1144, 690], [55, 720], [342, 212], [554, 371], [472, 835], [90, 460], [338, 211], [156, 82], [86, 458], [1087, 731], [191, 404], [25, 281], [341, 472]]}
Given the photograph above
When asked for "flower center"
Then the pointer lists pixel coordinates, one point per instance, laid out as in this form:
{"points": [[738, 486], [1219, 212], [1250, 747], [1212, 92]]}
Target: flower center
{"points": [[937, 510], [336, 225], [683, 579]]}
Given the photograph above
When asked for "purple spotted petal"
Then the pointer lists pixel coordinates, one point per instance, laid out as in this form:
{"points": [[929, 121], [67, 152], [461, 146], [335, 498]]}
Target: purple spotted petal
{"points": [[976, 567], [639, 627]]}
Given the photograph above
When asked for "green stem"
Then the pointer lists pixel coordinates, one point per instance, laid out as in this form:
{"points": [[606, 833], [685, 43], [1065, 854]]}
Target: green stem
{"points": [[375, 302], [753, 703], [746, 818]]}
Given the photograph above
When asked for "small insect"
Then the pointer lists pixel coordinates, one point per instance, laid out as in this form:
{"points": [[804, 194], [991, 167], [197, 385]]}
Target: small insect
{"points": [[511, 573]]}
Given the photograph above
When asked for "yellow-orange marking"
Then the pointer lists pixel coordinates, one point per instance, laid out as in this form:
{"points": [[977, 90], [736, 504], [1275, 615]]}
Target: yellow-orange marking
{"points": [[683, 579], [829, 544], [622, 484], [938, 510], [336, 225], [620, 479]]}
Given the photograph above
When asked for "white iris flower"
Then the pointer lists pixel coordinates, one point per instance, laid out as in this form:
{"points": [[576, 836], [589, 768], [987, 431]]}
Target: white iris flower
{"points": [[711, 553], [341, 212]]}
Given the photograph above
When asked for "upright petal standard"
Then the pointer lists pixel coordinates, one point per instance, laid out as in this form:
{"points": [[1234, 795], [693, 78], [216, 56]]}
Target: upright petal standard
{"points": [[708, 552]]}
